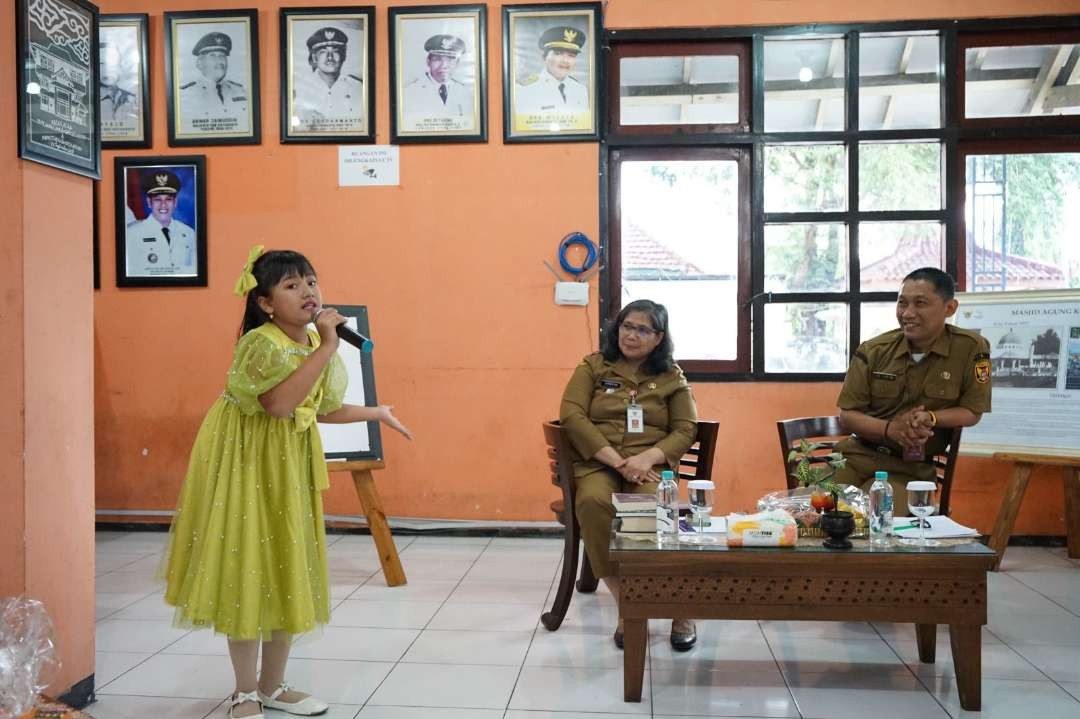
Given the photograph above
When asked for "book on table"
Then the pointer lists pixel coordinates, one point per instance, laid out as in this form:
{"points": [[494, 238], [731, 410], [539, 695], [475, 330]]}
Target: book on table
{"points": [[625, 502], [633, 524]]}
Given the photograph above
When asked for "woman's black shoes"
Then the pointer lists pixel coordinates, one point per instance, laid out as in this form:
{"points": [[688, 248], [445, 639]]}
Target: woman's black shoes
{"points": [[683, 641], [618, 638]]}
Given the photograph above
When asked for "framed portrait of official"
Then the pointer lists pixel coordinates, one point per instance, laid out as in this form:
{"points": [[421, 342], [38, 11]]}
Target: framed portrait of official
{"points": [[438, 74], [328, 75], [56, 43], [124, 81], [160, 221], [551, 72], [212, 75]]}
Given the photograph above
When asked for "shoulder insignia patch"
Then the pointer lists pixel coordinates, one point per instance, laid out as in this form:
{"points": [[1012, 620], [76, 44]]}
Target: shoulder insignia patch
{"points": [[531, 79], [861, 356], [354, 77], [982, 370], [187, 85]]}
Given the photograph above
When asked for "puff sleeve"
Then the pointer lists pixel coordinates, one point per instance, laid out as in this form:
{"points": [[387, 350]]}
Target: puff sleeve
{"points": [[258, 365]]}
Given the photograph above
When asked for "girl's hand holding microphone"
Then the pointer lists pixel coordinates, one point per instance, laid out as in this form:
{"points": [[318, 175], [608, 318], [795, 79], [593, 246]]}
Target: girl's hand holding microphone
{"points": [[326, 320]]}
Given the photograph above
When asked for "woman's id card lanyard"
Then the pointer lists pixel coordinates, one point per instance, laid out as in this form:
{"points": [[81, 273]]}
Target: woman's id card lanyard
{"points": [[635, 416]]}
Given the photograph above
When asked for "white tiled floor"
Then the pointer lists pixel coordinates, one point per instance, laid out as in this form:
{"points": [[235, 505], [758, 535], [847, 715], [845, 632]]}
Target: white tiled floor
{"points": [[462, 640]]}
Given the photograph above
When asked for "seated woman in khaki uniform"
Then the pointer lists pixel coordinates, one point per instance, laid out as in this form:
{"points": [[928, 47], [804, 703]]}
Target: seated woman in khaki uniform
{"points": [[634, 367]]}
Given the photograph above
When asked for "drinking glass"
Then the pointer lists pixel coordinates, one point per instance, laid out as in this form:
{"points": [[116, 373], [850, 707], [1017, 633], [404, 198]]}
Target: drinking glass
{"points": [[700, 492], [922, 502]]}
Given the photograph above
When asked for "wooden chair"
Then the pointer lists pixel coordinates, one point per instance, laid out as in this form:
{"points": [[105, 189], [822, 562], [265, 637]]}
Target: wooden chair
{"points": [[696, 464], [827, 432]]}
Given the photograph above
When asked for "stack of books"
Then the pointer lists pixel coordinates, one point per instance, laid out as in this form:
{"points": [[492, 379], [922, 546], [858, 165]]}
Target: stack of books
{"points": [[635, 514]]}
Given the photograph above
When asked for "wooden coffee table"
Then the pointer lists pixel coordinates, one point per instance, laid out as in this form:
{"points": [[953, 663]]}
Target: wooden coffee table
{"points": [[927, 587]]}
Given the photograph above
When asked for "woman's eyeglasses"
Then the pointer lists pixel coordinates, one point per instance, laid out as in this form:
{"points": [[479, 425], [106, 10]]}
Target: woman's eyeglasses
{"points": [[640, 330]]}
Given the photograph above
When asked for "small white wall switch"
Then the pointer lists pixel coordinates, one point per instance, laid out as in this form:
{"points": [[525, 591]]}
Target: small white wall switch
{"points": [[571, 293]]}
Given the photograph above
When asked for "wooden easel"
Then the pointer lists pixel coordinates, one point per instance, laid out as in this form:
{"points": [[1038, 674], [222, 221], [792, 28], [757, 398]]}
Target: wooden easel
{"points": [[1024, 464], [371, 504]]}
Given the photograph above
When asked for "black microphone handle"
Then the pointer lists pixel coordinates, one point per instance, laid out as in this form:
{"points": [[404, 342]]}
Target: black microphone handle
{"points": [[354, 338]]}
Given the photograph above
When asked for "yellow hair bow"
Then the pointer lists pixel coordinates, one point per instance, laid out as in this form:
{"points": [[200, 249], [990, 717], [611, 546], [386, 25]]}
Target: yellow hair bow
{"points": [[247, 281]]}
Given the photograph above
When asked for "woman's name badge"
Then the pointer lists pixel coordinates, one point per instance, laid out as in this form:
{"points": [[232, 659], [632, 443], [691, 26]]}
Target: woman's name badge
{"points": [[635, 416]]}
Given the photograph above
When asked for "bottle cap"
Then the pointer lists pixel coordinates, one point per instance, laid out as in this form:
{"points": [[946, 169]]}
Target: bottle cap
{"points": [[667, 474], [881, 475]]}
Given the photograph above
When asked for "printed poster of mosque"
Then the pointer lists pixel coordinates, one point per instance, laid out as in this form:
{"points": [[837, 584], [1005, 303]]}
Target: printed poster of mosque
{"points": [[1024, 357], [58, 112]]}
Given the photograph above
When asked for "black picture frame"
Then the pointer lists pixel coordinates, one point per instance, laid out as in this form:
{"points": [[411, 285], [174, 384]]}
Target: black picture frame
{"points": [[145, 257], [450, 40], [359, 366], [56, 46], [124, 106], [312, 112], [530, 94], [202, 109], [97, 234]]}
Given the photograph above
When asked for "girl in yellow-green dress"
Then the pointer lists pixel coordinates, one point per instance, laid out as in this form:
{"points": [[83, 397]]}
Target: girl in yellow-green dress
{"points": [[247, 554]]}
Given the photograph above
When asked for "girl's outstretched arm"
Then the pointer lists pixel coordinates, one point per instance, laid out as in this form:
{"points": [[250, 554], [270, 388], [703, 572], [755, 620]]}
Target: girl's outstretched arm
{"points": [[359, 413]]}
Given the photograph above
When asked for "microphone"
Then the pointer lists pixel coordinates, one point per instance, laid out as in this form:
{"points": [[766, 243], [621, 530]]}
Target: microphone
{"points": [[354, 338]]}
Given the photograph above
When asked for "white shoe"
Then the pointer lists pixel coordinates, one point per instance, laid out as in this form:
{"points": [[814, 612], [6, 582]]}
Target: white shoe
{"points": [[242, 697], [308, 706]]}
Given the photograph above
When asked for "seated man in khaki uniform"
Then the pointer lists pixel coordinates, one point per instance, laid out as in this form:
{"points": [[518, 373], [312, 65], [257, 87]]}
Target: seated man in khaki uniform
{"points": [[907, 388]]}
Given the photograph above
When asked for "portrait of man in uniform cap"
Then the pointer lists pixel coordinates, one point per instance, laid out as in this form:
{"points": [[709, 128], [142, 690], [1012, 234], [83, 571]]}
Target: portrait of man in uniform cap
{"points": [[122, 81], [162, 243], [211, 67], [327, 66], [552, 72], [435, 74]]}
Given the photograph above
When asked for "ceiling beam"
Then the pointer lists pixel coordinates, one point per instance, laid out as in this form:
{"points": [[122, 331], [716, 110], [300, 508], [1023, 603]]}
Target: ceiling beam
{"points": [[836, 55], [1045, 79], [905, 60]]}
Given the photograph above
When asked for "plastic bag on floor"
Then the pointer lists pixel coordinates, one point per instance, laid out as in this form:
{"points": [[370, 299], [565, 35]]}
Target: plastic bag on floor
{"points": [[28, 657]]}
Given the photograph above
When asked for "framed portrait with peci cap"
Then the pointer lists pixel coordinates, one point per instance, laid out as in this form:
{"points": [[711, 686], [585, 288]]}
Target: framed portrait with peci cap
{"points": [[551, 72], [328, 75], [212, 75], [438, 74], [160, 221]]}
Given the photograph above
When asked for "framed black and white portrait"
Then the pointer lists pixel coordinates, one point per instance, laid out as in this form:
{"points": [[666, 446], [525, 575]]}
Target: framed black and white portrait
{"points": [[124, 81], [438, 74], [212, 74], [328, 75], [57, 93], [551, 69], [161, 221]]}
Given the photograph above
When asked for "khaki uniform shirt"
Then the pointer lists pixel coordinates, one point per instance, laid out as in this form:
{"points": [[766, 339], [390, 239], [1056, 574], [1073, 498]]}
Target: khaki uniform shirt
{"points": [[884, 380], [594, 412]]}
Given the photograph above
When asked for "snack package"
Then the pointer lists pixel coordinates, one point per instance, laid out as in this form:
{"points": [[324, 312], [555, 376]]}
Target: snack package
{"points": [[775, 528], [28, 657], [797, 503]]}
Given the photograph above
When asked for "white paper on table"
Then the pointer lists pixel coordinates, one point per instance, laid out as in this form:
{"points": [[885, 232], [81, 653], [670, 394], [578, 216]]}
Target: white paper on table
{"points": [[940, 528]]}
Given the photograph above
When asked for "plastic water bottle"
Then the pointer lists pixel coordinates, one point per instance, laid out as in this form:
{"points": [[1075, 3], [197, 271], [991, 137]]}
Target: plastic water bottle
{"points": [[881, 510], [667, 508]]}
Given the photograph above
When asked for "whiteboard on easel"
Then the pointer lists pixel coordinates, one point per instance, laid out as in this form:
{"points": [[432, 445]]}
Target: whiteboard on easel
{"points": [[1035, 370], [356, 440]]}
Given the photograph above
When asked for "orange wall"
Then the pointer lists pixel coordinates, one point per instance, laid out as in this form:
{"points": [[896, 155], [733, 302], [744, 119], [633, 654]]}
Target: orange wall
{"points": [[471, 350], [46, 440]]}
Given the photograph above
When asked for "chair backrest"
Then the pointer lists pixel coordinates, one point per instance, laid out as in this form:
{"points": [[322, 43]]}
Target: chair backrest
{"points": [[698, 460], [826, 431], [560, 459]]}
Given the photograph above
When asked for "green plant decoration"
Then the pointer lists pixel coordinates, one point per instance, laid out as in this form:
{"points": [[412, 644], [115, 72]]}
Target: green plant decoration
{"points": [[816, 475]]}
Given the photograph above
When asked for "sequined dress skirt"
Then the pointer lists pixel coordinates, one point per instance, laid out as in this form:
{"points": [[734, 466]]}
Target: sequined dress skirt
{"points": [[247, 550]]}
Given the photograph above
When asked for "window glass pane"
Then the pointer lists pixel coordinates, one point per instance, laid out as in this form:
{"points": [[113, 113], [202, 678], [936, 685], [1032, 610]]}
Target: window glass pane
{"points": [[804, 84], [805, 258], [899, 176], [1020, 81], [685, 90], [876, 318], [899, 84], [680, 247], [888, 251], [806, 337], [1022, 221], [805, 178]]}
